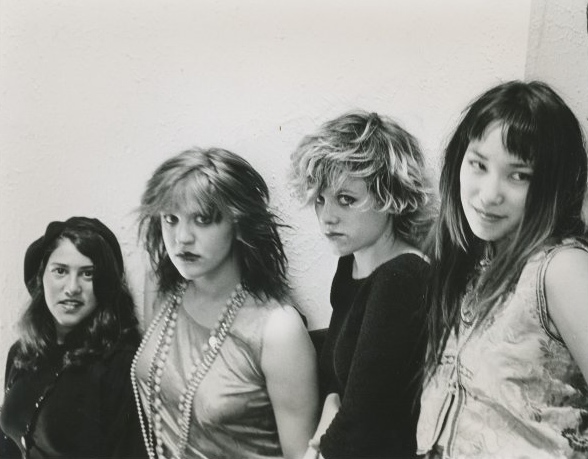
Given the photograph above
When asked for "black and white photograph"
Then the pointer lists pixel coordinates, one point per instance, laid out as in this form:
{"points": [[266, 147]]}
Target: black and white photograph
{"points": [[296, 229]]}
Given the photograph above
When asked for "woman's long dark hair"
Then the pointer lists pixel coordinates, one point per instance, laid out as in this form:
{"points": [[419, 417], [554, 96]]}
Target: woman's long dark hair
{"points": [[113, 321], [539, 128], [226, 186]]}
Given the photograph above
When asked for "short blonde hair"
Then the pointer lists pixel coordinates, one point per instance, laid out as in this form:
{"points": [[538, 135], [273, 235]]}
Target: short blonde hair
{"points": [[376, 149]]}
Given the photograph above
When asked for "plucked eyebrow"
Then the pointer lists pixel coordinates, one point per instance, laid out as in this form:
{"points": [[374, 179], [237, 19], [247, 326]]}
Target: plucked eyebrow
{"points": [[56, 264], [517, 163]]}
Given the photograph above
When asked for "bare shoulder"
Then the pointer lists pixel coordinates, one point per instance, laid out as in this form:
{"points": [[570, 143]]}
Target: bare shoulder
{"points": [[284, 325], [566, 287], [568, 266], [288, 353]]}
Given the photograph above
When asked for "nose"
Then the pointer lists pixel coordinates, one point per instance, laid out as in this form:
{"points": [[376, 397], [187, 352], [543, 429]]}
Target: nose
{"points": [[491, 190], [327, 214], [73, 286], [184, 233]]}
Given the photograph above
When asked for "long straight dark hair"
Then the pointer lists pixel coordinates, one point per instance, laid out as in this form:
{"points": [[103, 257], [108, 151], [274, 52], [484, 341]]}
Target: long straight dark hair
{"points": [[537, 127]]}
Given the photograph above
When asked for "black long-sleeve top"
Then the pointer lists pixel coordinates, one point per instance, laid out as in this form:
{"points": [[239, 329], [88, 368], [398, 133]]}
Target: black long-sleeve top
{"points": [[85, 411], [372, 357]]}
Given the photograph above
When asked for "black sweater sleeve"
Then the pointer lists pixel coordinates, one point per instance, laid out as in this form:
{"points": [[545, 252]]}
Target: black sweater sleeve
{"points": [[8, 449], [121, 431], [379, 407]]}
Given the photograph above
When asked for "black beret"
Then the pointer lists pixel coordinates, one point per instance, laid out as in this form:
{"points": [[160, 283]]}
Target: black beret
{"points": [[37, 249]]}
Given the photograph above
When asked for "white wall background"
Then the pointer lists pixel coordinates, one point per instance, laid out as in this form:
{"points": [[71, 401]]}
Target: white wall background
{"points": [[95, 94], [558, 50]]}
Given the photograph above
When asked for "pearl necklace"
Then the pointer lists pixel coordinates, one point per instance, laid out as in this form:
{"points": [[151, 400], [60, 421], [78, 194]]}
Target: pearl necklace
{"points": [[199, 369]]}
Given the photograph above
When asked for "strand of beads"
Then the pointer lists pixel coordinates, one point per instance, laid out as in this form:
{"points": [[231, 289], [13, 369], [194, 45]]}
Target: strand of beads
{"points": [[155, 374], [200, 367], [168, 314]]}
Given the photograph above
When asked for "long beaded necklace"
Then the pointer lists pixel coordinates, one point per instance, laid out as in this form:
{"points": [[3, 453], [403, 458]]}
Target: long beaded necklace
{"points": [[152, 432]]}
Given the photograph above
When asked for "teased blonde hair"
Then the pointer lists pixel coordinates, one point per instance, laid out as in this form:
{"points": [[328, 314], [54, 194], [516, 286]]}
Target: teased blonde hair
{"points": [[376, 149]]}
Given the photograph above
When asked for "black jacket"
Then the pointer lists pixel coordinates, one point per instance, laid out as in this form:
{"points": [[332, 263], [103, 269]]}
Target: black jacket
{"points": [[85, 411]]}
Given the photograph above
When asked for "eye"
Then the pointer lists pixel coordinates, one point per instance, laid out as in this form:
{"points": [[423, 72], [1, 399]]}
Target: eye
{"points": [[522, 176], [88, 274], [346, 200], [169, 219], [59, 271], [477, 165], [319, 199], [202, 219]]}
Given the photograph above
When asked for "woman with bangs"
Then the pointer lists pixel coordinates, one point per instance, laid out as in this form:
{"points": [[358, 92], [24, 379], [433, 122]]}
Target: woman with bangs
{"points": [[365, 176], [508, 359], [68, 392], [226, 367]]}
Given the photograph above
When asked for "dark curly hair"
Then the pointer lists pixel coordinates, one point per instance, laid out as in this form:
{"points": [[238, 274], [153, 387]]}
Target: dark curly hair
{"points": [[112, 323]]}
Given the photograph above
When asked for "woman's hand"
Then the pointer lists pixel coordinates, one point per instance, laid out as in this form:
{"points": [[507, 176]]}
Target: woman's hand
{"points": [[330, 409], [311, 453]]}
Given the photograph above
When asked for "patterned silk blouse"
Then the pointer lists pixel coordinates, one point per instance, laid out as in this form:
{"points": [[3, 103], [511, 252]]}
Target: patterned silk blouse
{"points": [[508, 388]]}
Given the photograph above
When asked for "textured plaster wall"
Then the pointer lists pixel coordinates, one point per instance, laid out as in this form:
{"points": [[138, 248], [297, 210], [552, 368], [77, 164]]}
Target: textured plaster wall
{"points": [[94, 94], [558, 50]]}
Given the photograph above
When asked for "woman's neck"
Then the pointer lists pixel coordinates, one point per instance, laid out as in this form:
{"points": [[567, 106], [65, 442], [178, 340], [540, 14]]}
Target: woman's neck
{"points": [[60, 334], [384, 249], [494, 248], [206, 296], [217, 286]]}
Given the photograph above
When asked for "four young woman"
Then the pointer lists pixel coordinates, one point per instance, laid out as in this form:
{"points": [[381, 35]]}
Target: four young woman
{"points": [[226, 367]]}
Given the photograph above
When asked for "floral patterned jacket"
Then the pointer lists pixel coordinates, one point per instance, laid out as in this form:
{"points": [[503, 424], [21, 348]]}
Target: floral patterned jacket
{"points": [[508, 388]]}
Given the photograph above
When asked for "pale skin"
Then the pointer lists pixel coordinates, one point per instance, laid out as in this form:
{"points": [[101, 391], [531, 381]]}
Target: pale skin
{"points": [[288, 359], [330, 409], [68, 288], [347, 217], [289, 365]]}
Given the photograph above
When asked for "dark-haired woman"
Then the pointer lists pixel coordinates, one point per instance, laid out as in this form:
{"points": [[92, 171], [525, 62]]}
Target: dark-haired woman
{"points": [[68, 391], [507, 366], [226, 368]]}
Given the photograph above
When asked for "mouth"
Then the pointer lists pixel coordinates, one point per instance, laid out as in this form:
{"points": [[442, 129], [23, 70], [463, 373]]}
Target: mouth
{"points": [[70, 305], [188, 257], [488, 216], [333, 235]]}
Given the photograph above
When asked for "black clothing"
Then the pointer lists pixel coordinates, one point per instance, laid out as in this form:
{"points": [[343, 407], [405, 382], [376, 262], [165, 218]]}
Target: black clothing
{"points": [[85, 411], [372, 357]]}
